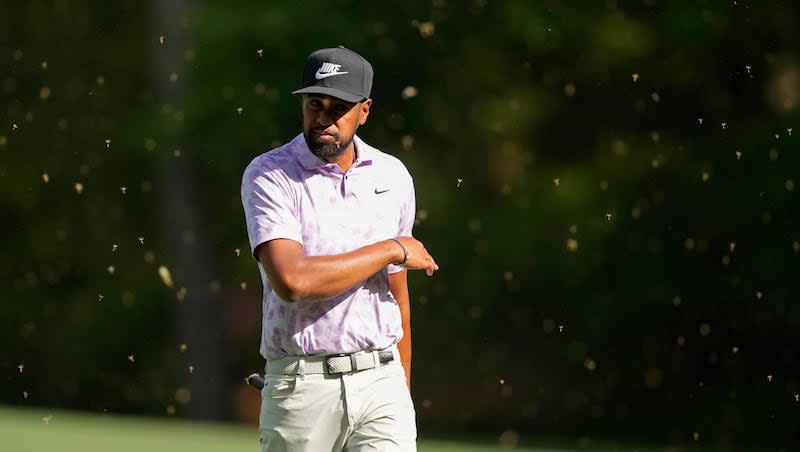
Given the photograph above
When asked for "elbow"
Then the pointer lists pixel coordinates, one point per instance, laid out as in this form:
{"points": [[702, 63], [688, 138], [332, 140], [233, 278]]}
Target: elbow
{"points": [[293, 297], [286, 295], [288, 290]]}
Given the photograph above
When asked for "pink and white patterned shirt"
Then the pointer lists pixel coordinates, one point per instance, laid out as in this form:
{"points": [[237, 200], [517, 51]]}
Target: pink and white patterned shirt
{"points": [[290, 193]]}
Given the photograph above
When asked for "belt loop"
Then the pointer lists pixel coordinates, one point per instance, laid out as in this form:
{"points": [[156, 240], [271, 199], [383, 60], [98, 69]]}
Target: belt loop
{"points": [[301, 367], [376, 359]]}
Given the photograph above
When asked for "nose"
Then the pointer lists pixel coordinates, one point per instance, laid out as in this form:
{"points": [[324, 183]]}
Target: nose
{"points": [[325, 118]]}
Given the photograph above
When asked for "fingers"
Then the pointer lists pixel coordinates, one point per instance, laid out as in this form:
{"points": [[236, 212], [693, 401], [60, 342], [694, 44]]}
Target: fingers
{"points": [[429, 271], [419, 258], [430, 265]]}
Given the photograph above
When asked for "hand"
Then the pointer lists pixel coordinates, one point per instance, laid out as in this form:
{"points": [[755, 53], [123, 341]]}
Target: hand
{"points": [[418, 256]]}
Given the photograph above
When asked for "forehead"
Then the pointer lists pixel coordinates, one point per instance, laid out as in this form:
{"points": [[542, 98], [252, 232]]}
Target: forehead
{"points": [[327, 101]]}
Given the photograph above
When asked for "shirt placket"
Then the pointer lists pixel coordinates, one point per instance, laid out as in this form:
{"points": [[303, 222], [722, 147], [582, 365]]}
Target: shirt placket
{"points": [[349, 187]]}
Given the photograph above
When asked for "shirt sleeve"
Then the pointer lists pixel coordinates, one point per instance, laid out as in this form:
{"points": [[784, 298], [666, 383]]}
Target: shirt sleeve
{"points": [[269, 206], [408, 212]]}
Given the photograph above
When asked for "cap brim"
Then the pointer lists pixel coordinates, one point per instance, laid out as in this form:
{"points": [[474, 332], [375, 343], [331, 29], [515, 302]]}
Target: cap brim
{"points": [[333, 92]]}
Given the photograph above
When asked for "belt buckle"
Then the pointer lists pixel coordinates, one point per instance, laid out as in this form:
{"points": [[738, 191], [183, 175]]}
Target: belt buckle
{"points": [[338, 355]]}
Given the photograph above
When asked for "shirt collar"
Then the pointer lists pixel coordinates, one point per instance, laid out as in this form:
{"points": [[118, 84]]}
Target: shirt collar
{"points": [[364, 154]]}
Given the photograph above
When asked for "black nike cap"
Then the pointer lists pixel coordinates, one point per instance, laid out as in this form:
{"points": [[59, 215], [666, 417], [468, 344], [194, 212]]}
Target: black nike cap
{"points": [[338, 72]]}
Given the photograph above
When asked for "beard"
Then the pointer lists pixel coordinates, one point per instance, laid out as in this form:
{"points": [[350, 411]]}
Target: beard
{"points": [[326, 151]]}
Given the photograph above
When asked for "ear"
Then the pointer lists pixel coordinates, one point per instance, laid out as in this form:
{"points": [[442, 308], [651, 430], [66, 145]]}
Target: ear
{"points": [[363, 112]]}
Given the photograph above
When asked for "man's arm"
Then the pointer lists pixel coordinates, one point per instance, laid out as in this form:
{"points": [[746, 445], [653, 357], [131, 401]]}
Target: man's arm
{"points": [[295, 276], [398, 284]]}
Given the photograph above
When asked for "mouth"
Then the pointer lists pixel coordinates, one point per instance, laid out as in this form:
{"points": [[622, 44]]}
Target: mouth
{"points": [[323, 135]]}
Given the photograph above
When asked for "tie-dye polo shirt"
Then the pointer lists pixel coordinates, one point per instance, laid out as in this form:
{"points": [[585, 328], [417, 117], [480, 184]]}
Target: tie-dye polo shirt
{"points": [[289, 193]]}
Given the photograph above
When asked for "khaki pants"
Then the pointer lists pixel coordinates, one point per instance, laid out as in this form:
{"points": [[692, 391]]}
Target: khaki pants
{"points": [[366, 410]]}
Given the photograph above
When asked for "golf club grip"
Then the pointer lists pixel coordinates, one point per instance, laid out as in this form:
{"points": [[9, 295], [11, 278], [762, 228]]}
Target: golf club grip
{"points": [[256, 381]]}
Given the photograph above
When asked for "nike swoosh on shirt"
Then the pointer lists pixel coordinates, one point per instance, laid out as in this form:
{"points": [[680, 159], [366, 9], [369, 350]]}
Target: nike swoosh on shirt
{"points": [[320, 76], [378, 192]]}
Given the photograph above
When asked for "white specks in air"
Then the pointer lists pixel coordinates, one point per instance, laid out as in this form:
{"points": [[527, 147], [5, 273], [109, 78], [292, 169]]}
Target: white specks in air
{"points": [[166, 277], [409, 92]]}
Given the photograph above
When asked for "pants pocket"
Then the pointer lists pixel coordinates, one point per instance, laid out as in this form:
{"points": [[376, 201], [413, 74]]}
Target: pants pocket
{"points": [[279, 387]]}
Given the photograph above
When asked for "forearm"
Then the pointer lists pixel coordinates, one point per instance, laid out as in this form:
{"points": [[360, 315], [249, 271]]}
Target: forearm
{"points": [[398, 283], [314, 277], [404, 346]]}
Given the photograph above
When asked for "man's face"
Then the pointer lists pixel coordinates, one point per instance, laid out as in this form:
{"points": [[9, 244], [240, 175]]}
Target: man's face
{"points": [[329, 124]]}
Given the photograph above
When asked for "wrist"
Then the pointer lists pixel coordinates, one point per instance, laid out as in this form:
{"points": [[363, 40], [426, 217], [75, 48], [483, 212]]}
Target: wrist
{"points": [[402, 260]]}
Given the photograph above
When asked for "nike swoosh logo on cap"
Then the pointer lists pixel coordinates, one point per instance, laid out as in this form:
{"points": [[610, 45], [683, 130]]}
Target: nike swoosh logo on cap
{"points": [[319, 75], [378, 192]]}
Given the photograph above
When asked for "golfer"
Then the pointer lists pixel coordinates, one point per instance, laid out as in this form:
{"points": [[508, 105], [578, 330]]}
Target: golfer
{"points": [[329, 219]]}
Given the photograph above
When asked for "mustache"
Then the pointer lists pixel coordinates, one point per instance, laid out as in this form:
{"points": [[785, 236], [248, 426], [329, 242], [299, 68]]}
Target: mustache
{"points": [[320, 130]]}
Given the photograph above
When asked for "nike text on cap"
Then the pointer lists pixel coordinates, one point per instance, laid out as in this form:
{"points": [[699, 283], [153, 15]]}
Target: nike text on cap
{"points": [[338, 72]]}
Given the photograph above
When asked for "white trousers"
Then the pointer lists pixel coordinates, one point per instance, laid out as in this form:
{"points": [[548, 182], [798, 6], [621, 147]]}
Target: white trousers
{"points": [[367, 410]]}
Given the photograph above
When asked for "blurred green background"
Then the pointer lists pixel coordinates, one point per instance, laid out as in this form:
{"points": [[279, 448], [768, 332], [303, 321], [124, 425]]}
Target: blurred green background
{"points": [[609, 187]]}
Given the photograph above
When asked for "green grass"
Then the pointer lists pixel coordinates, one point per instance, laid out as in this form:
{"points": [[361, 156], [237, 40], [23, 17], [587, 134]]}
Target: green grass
{"points": [[42, 430], [39, 430]]}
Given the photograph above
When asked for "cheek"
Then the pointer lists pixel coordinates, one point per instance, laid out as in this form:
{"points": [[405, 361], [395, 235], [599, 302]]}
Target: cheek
{"points": [[308, 121], [341, 129], [349, 125]]}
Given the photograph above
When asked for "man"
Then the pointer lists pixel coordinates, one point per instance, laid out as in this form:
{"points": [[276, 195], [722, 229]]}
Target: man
{"points": [[329, 220]]}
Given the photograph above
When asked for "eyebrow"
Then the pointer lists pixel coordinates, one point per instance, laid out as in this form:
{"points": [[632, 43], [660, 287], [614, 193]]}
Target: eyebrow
{"points": [[333, 102]]}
